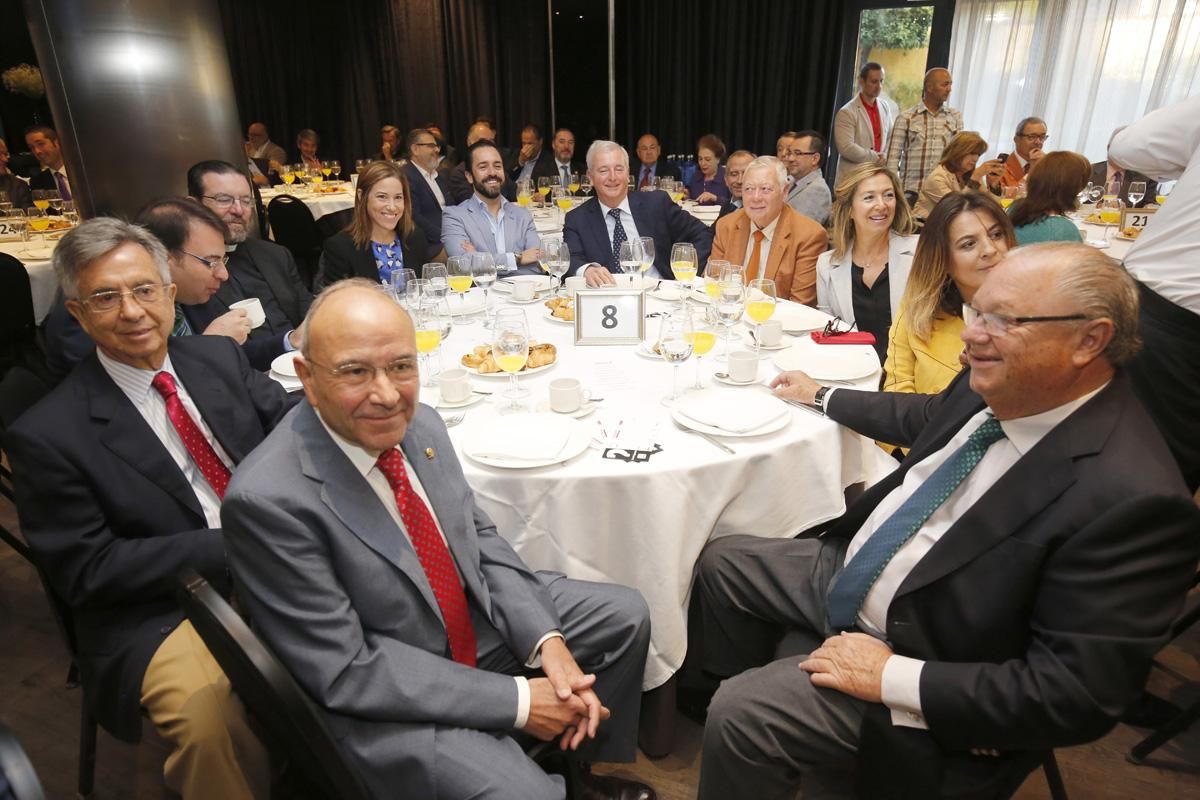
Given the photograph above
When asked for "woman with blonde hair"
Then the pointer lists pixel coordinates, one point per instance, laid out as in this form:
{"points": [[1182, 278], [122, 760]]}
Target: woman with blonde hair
{"points": [[1052, 189], [957, 171], [382, 237], [967, 234], [862, 278]]}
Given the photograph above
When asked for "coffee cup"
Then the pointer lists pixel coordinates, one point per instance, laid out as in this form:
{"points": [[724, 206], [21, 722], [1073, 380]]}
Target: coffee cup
{"points": [[254, 310], [568, 395], [455, 385], [743, 366], [523, 290], [770, 333], [576, 283]]}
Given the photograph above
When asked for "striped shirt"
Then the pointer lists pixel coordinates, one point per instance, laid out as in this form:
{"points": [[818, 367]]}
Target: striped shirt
{"points": [[918, 138]]}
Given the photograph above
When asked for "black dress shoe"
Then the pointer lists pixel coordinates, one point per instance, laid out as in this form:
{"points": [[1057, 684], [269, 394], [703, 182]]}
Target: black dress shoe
{"points": [[609, 787]]}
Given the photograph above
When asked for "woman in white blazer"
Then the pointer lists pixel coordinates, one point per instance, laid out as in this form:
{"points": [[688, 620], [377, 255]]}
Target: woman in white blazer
{"points": [[862, 278]]}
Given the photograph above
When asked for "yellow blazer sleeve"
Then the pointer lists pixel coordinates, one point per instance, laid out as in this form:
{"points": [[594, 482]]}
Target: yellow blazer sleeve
{"points": [[900, 368], [923, 367]]}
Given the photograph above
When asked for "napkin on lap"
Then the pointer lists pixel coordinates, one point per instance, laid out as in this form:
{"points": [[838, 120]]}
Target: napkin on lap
{"points": [[736, 411], [529, 437]]}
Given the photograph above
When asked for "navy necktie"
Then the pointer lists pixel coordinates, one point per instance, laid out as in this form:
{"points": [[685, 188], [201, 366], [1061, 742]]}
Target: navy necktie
{"points": [[851, 586], [618, 236]]}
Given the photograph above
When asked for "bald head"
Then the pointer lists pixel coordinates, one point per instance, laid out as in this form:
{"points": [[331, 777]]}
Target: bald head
{"points": [[480, 131], [937, 86]]}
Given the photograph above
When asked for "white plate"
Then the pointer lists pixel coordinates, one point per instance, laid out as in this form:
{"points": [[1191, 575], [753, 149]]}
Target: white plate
{"points": [[543, 407], [284, 364], [646, 350], [834, 362], [503, 374], [549, 315], [797, 318], [669, 291], [540, 283], [577, 442], [771, 427], [537, 298], [732, 382], [462, 305], [470, 401]]}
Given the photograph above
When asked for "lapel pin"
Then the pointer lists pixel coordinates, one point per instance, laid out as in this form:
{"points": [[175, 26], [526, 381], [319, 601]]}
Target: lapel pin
{"points": [[429, 453]]}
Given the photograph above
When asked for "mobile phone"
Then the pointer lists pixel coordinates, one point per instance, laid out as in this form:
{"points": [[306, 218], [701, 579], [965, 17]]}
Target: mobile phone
{"points": [[1002, 157]]}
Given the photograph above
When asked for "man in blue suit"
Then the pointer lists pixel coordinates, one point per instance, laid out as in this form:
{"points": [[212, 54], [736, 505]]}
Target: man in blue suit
{"points": [[486, 222], [594, 231], [429, 190]]}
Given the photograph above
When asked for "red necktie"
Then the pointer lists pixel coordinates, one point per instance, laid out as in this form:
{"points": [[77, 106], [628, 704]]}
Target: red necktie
{"points": [[645, 178], [434, 557], [211, 467], [755, 254]]}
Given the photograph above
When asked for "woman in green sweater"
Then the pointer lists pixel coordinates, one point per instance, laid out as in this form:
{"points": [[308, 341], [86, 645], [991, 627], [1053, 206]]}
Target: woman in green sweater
{"points": [[1052, 187]]}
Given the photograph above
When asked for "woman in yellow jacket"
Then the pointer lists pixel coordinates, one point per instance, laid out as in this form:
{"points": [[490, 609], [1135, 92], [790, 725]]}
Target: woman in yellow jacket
{"points": [[965, 235]]}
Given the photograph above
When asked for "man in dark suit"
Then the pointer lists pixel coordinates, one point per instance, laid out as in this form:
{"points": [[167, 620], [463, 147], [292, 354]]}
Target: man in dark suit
{"points": [[43, 143], [257, 268], [460, 188], [1105, 171], [532, 161], [562, 164], [1002, 593], [650, 165], [119, 473], [429, 191], [594, 230], [735, 168], [368, 567]]}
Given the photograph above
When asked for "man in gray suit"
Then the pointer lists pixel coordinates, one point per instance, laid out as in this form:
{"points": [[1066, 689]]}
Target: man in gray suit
{"points": [[861, 127], [486, 222], [370, 570]]}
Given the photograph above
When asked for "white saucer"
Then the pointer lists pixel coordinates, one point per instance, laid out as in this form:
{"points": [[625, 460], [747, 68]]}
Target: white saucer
{"points": [[784, 344], [585, 409], [731, 382], [645, 350], [537, 298], [470, 401]]}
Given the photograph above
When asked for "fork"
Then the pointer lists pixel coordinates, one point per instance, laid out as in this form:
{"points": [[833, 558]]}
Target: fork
{"points": [[452, 421]]}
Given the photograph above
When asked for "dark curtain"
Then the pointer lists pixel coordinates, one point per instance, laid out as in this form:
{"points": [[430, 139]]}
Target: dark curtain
{"points": [[746, 71], [345, 70]]}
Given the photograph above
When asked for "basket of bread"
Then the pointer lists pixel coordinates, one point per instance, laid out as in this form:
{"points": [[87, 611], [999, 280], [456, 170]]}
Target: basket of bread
{"points": [[1130, 232], [561, 308], [482, 361]]}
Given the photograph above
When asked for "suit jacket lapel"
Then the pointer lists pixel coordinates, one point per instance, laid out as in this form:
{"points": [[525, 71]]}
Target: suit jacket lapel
{"points": [[780, 245], [128, 436], [598, 230], [212, 398]]}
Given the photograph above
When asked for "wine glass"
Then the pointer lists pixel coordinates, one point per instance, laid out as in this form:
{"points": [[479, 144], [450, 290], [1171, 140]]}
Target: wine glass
{"points": [[557, 258], [1162, 191], [70, 214], [437, 276], [1137, 191], [730, 304], [1008, 195], [15, 226], [544, 185], [459, 274], [562, 198], [400, 279], [56, 200], [1095, 192], [336, 168], [41, 199], [704, 338], [683, 264], [1084, 193], [573, 183], [360, 165], [326, 168], [675, 343], [415, 290], [630, 257], [524, 192], [1109, 208], [428, 326], [287, 174], [483, 272], [760, 305], [510, 349], [585, 185], [647, 257], [38, 219]]}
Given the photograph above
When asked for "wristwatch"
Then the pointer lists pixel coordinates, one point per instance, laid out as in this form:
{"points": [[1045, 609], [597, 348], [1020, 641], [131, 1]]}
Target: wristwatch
{"points": [[819, 399]]}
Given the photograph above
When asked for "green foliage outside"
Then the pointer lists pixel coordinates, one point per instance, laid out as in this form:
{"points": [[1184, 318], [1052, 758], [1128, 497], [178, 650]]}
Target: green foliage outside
{"points": [[895, 28], [905, 94]]}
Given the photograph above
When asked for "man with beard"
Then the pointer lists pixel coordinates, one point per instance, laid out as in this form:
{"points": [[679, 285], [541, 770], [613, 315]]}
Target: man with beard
{"points": [[488, 223], [257, 268]]}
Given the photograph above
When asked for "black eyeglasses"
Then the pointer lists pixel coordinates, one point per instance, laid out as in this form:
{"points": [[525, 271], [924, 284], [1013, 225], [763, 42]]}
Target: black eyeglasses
{"points": [[211, 263], [999, 324], [832, 329]]}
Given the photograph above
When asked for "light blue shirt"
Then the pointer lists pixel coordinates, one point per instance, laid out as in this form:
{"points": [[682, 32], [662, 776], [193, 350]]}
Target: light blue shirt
{"points": [[631, 231], [497, 225], [526, 172]]}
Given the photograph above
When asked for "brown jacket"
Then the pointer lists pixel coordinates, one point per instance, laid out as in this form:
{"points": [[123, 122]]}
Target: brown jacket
{"points": [[792, 261]]}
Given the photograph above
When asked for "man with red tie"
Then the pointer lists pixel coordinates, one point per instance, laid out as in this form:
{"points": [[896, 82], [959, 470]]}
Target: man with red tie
{"points": [[370, 570], [120, 473], [650, 166]]}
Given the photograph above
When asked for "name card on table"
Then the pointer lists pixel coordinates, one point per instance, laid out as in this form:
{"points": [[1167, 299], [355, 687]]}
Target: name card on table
{"points": [[609, 316], [11, 231], [1135, 218]]}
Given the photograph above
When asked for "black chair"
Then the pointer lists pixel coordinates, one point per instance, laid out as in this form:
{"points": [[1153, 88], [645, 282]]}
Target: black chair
{"points": [[19, 343], [17, 777], [295, 229], [20, 388], [290, 722]]}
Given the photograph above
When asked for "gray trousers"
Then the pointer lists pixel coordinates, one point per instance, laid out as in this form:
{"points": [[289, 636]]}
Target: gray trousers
{"points": [[768, 726]]}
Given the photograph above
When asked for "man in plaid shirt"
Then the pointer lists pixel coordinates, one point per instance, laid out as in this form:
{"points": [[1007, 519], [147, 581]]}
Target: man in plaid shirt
{"points": [[921, 132]]}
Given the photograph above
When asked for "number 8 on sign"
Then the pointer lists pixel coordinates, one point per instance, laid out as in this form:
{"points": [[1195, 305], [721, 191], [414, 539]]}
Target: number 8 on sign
{"points": [[608, 316]]}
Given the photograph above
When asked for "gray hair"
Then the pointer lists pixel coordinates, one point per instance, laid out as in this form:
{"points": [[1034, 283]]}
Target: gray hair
{"points": [[97, 238], [1099, 288], [603, 146], [326, 293], [1029, 121], [768, 162]]}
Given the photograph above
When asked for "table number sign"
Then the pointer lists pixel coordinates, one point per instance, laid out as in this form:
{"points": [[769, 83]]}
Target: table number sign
{"points": [[1135, 218], [609, 316], [11, 230]]}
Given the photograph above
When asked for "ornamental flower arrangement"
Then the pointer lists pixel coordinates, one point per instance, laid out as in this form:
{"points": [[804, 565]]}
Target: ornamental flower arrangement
{"points": [[24, 79]]}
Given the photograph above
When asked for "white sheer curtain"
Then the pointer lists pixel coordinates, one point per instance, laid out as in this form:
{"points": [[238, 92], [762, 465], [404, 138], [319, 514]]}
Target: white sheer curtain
{"points": [[1085, 66]]}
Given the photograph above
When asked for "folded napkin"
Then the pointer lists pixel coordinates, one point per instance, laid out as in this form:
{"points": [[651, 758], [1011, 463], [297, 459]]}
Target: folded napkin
{"points": [[521, 437], [798, 318], [736, 411]]}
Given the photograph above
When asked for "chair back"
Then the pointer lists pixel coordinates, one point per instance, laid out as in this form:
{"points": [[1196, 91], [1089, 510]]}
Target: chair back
{"points": [[288, 718], [295, 229], [17, 777]]}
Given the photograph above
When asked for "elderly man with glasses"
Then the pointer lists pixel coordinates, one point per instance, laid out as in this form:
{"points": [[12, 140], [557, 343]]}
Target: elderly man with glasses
{"points": [[120, 472], [257, 268], [1002, 593], [1030, 139]]}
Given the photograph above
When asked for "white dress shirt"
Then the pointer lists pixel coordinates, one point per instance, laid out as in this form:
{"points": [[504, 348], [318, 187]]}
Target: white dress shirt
{"points": [[902, 675], [1165, 145], [431, 179], [364, 462], [764, 249], [497, 225], [134, 383], [631, 231]]}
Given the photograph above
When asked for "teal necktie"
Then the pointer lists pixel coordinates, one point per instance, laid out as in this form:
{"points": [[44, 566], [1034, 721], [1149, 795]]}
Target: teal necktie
{"points": [[182, 327], [850, 587]]}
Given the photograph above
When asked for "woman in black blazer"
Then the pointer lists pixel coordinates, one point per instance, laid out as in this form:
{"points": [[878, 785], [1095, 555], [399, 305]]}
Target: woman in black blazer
{"points": [[382, 237]]}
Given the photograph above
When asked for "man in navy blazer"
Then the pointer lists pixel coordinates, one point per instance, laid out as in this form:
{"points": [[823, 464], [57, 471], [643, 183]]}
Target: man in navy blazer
{"points": [[649, 164], [430, 193], [119, 476], [594, 230], [487, 223]]}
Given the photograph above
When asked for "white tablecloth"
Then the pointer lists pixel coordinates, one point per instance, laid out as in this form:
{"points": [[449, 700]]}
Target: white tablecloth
{"points": [[644, 524], [43, 285], [318, 204]]}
